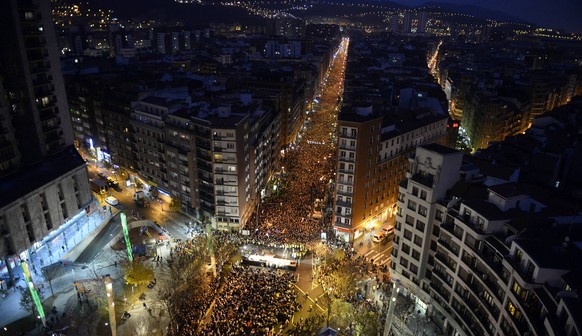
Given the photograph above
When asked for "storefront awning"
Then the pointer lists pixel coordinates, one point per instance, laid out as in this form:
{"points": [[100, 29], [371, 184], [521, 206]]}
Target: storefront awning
{"points": [[339, 228]]}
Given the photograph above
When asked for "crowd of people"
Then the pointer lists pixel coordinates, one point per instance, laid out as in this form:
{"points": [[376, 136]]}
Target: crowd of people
{"points": [[255, 302], [309, 164]]}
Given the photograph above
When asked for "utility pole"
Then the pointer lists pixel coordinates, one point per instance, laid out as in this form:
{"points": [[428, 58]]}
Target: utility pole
{"points": [[390, 312]]}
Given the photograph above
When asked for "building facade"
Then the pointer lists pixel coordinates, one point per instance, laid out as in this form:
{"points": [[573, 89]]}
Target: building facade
{"points": [[215, 160], [372, 158], [483, 257], [43, 180]]}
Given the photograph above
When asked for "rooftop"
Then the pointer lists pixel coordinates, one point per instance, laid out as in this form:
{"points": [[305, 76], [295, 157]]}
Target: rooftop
{"points": [[28, 179]]}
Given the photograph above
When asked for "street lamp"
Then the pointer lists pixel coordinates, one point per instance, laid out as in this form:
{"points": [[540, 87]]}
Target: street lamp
{"points": [[110, 304], [390, 312]]}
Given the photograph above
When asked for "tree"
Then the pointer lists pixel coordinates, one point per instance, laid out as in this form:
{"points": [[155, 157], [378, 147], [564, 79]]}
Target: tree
{"points": [[341, 314], [137, 273], [186, 290], [50, 273], [343, 282], [367, 322], [26, 300]]}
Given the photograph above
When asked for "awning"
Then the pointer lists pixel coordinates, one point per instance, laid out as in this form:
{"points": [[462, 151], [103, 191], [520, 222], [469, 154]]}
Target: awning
{"points": [[339, 228]]}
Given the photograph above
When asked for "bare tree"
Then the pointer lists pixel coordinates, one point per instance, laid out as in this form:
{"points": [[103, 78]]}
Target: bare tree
{"points": [[50, 273]]}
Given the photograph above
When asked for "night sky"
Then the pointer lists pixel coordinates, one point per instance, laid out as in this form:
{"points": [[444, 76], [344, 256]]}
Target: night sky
{"points": [[566, 14]]}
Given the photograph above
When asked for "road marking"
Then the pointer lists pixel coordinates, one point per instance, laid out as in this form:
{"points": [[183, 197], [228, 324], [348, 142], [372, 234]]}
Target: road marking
{"points": [[389, 248], [371, 251], [375, 256], [385, 261]]}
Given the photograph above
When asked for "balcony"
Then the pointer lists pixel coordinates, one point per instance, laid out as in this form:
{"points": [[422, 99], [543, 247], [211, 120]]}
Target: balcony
{"points": [[344, 192], [450, 228], [346, 159], [440, 291], [206, 178], [471, 316], [451, 264], [346, 170], [203, 156], [494, 264], [348, 135], [348, 147], [520, 269], [424, 179], [203, 144], [443, 276], [345, 181], [206, 188], [205, 166], [485, 278], [345, 204], [449, 246]]}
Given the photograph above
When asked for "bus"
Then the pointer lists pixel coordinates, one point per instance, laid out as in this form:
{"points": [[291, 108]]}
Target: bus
{"points": [[98, 186]]}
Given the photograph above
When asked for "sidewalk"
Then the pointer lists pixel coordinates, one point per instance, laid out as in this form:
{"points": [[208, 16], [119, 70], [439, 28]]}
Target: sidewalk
{"points": [[62, 271]]}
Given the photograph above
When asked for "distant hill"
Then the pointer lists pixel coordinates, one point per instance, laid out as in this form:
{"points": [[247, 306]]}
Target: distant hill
{"points": [[191, 14], [476, 11]]}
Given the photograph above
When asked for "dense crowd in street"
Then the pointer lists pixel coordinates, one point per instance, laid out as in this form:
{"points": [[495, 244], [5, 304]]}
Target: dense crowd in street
{"points": [[255, 302], [309, 165]]}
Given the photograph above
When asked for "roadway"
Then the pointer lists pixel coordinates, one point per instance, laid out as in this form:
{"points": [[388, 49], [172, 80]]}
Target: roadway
{"points": [[174, 222]]}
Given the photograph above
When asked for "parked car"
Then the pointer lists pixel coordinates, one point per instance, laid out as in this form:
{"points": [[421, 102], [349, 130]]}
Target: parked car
{"points": [[102, 176], [379, 236], [111, 200]]}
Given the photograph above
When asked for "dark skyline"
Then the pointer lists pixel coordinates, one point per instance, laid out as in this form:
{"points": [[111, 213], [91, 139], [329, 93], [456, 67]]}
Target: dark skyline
{"points": [[564, 14]]}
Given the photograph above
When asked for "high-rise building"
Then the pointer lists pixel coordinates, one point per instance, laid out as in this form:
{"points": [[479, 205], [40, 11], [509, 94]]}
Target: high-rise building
{"points": [[481, 256], [422, 22], [43, 180], [433, 170], [407, 23]]}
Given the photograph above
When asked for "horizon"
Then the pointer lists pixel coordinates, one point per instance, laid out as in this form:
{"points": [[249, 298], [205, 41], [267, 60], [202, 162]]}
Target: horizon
{"points": [[558, 14]]}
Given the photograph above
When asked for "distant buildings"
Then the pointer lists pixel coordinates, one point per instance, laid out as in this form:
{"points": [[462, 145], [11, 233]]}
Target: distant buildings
{"points": [[498, 91], [204, 126]]}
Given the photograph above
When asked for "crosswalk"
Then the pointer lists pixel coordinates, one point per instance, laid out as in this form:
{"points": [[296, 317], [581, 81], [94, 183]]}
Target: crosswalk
{"points": [[380, 257]]}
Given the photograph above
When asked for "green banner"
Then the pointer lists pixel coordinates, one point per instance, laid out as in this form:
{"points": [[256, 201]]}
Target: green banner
{"points": [[33, 292], [126, 235]]}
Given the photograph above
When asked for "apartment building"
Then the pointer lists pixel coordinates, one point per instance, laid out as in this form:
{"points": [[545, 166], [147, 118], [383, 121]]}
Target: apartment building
{"points": [[486, 257], [214, 159], [373, 152], [488, 119]]}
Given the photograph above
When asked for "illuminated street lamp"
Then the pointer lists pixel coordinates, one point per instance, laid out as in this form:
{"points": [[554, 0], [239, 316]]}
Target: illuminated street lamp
{"points": [[391, 305], [110, 304], [33, 292]]}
